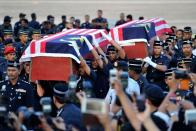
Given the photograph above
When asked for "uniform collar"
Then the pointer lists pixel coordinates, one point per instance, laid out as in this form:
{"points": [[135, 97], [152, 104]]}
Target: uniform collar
{"points": [[157, 57], [17, 83], [192, 56], [60, 111]]}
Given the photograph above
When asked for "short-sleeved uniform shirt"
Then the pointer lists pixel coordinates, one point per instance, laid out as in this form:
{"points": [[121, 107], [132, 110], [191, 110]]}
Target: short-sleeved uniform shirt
{"points": [[155, 76]]}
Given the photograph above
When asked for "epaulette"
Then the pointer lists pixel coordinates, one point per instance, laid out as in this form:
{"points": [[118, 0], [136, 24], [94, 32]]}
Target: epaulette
{"points": [[25, 82]]}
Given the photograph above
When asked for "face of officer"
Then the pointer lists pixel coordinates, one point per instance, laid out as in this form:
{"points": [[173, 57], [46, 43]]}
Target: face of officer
{"points": [[131, 73], [36, 36], [81, 71], [23, 38], [99, 13], [122, 16], [10, 56], [94, 64], [112, 55], [24, 23], [12, 73], [187, 50], [179, 34], [169, 81], [157, 50], [187, 36], [87, 18], [5, 37], [27, 67]]}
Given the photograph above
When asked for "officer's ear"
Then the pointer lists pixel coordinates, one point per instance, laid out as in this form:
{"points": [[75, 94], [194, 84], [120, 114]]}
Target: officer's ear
{"points": [[166, 80], [54, 99]]}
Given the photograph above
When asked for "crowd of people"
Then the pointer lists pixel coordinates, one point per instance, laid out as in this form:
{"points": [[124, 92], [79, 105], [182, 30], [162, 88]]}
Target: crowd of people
{"points": [[154, 93]]}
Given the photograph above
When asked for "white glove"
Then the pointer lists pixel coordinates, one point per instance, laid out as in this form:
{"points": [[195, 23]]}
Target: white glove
{"points": [[87, 42], [95, 43], [108, 37], [149, 61], [75, 46]]}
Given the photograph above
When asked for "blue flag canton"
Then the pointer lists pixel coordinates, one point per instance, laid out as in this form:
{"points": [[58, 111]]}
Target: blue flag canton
{"points": [[63, 45], [139, 31]]}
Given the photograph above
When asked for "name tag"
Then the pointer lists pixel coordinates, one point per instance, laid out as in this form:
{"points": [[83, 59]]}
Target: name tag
{"points": [[21, 90]]}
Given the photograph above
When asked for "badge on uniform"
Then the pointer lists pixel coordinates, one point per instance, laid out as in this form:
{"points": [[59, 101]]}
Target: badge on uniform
{"points": [[19, 97], [21, 90], [3, 88]]}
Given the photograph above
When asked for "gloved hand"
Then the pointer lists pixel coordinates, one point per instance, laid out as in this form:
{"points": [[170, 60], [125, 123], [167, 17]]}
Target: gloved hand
{"points": [[75, 46], [108, 37], [87, 42], [150, 62], [95, 43]]}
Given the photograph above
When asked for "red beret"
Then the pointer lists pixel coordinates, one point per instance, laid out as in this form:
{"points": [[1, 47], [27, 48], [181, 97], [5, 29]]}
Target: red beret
{"points": [[9, 49]]}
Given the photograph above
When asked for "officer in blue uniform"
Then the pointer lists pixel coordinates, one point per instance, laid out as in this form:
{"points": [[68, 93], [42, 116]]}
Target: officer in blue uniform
{"points": [[36, 34], [187, 33], [18, 92], [86, 24], [135, 72], [157, 65], [100, 22], [63, 24], [69, 112], [186, 53], [33, 23], [18, 24], [9, 55], [9, 42], [23, 44], [7, 34], [6, 25]]}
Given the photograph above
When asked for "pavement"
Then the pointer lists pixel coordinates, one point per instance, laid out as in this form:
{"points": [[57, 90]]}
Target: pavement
{"points": [[176, 12]]}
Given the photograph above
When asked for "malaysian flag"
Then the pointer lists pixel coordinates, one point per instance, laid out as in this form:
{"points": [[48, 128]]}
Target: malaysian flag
{"points": [[59, 45], [140, 29]]}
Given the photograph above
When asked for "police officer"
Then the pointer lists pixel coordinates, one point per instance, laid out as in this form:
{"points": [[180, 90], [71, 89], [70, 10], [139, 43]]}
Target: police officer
{"points": [[135, 70], [62, 25], [6, 25], [18, 24], [100, 22], [18, 92], [86, 24], [187, 33], [69, 112], [187, 49], [7, 34], [23, 43], [169, 78], [156, 65], [115, 51], [9, 55], [36, 34], [33, 23], [122, 20]]}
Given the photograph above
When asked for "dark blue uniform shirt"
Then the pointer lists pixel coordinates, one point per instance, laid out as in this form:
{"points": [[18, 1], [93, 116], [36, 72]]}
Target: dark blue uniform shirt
{"points": [[71, 115], [155, 76], [3, 68], [34, 24], [102, 82], [99, 20], [20, 94], [142, 82], [86, 25]]}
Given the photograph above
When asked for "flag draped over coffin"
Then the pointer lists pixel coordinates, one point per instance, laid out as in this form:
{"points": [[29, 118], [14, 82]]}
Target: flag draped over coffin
{"points": [[140, 29], [60, 44]]}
